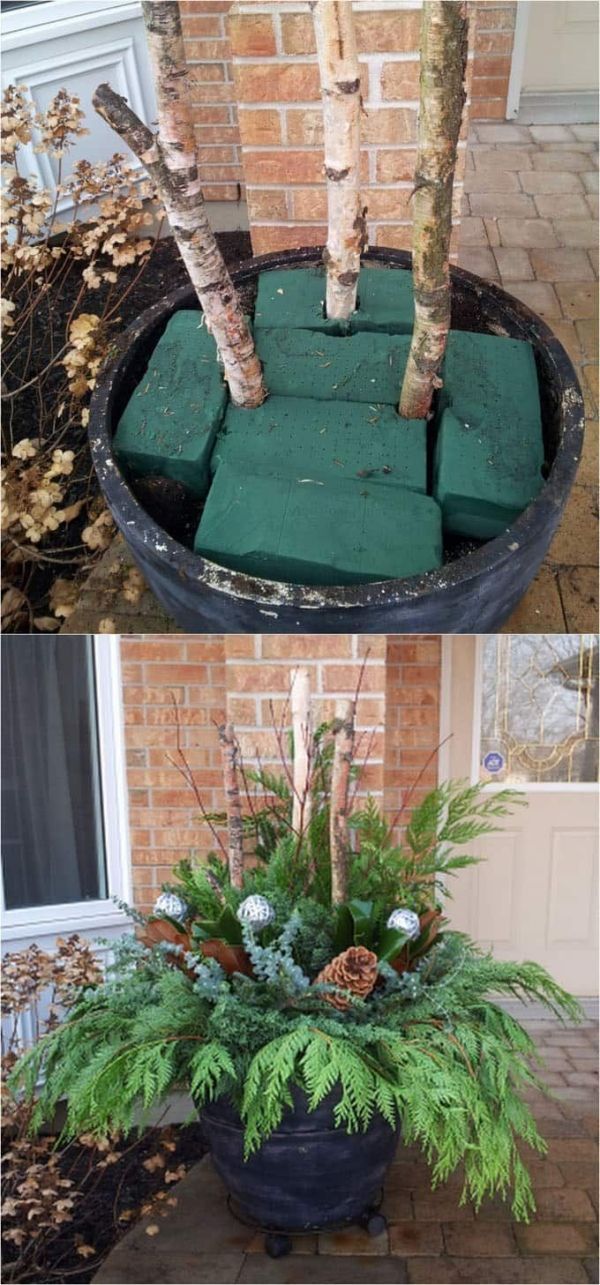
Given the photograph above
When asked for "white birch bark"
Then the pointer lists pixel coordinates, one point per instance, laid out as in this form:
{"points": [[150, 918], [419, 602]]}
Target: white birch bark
{"points": [[235, 825], [340, 88], [444, 36], [301, 730], [170, 159], [343, 730]]}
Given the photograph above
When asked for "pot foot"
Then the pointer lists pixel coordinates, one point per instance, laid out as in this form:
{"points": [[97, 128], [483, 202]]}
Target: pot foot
{"points": [[277, 1246], [373, 1222]]}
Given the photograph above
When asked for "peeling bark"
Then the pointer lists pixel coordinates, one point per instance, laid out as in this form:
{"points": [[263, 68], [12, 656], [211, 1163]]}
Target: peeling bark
{"points": [[300, 707], [444, 34], [340, 87], [235, 827], [170, 159], [343, 731]]}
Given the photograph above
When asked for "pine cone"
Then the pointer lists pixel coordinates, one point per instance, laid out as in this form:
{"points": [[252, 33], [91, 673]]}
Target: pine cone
{"points": [[354, 970]]}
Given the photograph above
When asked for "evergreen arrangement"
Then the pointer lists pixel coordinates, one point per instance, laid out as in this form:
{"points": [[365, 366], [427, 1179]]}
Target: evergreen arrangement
{"points": [[249, 991]]}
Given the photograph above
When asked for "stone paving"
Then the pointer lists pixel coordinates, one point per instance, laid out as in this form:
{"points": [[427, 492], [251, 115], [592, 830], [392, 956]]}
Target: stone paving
{"points": [[431, 1238], [530, 222]]}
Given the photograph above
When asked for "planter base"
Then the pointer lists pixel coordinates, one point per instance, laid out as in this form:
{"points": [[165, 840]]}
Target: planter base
{"points": [[308, 1175], [279, 1243]]}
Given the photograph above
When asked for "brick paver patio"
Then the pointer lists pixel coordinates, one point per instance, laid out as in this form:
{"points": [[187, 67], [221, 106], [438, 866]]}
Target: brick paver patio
{"points": [[430, 1238], [530, 222]]}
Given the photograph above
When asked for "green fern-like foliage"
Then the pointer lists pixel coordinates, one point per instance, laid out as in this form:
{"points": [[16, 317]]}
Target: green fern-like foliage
{"points": [[429, 1049]]}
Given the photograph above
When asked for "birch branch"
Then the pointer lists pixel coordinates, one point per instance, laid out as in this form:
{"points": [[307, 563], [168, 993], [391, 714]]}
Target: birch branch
{"points": [[235, 827], [444, 36], [340, 88], [300, 707], [170, 159], [343, 731]]}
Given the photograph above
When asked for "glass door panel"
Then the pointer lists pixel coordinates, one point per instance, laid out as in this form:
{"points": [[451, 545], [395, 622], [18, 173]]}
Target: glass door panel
{"points": [[539, 709]]}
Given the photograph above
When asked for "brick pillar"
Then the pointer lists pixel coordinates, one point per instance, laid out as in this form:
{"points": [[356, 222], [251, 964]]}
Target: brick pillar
{"points": [[277, 85], [413, 678], [492, 56], [257, 682], [214, 106], [158, 672]]}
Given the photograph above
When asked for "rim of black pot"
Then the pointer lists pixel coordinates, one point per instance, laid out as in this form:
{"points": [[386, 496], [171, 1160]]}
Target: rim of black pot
{"points": [[190, 566]]}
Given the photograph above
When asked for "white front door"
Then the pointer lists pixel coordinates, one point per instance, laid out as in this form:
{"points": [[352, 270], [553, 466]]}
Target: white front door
{"points": [[554, 70], [65, 829], [522, 710], [76, 45]]}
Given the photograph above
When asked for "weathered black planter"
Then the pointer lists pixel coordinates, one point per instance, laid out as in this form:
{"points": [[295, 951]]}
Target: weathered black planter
{"points": [[473, 594], [308, 1174]]}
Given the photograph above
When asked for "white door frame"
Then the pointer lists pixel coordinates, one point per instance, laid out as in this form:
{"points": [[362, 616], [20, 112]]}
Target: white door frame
{"points": [[91, 917], [517, 66]]}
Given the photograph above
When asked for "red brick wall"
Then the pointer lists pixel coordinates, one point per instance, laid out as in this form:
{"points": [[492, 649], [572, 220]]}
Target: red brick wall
{"points": [[280, 118], [245, 677], [275, 147]]}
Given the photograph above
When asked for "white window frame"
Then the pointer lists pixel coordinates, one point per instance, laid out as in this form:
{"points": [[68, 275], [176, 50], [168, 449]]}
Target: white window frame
{"points": [[529, 787], [93, 916]]}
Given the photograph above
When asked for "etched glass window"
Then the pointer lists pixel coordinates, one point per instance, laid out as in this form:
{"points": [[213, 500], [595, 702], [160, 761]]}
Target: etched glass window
{"points": [[539, 708]]}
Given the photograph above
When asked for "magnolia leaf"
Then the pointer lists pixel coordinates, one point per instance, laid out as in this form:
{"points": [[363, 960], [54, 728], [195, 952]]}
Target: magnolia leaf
{"points": [[363, 917], [391, 943]]}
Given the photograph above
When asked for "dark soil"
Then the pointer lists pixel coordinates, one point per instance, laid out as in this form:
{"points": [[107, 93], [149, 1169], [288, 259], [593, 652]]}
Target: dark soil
{"points": [[109, 1198]]}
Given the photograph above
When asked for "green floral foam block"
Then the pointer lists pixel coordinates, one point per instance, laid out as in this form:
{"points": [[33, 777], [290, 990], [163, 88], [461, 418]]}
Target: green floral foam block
{"points": [[489, 452], [353, 368], [306, 531], [170, 422], [330, 441], [294, 299]]}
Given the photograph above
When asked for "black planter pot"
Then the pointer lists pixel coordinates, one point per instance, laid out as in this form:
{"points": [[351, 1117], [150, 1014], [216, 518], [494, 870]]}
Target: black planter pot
{"points": [[473, 594], [308, 1174]]}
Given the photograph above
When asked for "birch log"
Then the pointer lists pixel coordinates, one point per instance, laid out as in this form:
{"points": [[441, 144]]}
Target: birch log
{"points": [[444, 34], [235, 827], [300, 706], [340, 87], [343, 730], [170, 159]]}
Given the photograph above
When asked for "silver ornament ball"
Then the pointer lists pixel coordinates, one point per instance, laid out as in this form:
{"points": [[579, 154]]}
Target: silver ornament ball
{"points": [[405, 921], [256, 912], [171, 905]]}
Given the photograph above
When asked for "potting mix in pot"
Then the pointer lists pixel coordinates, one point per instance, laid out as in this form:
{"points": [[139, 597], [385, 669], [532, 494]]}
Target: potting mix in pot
{"points": [[324, 483], [304, 986]]}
